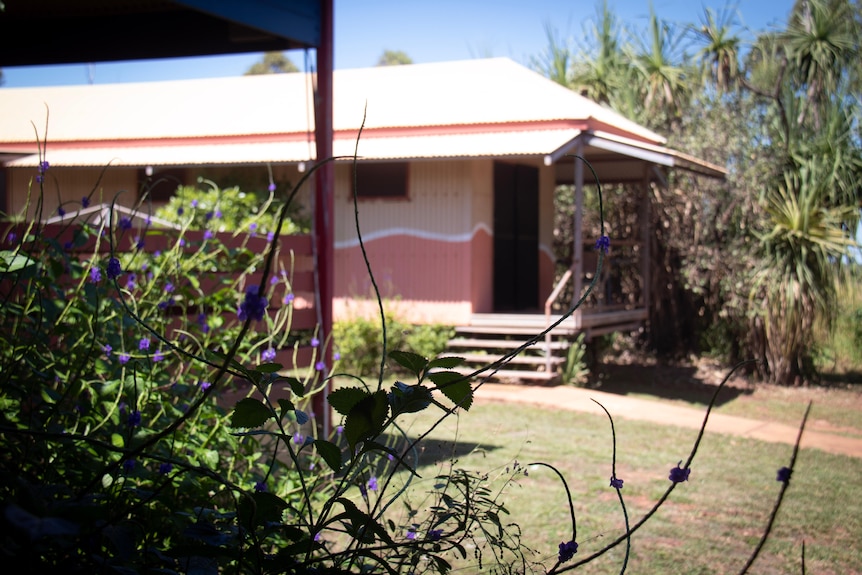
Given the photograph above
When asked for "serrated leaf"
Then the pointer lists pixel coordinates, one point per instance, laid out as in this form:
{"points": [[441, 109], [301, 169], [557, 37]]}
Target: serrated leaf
{"points": [[301, 417], [269, 368], [330, 453], [361, 525], [409, 398], [445, 362], [454, 386], [250, 412], [342, 400], [413, 362], [366, 419]]}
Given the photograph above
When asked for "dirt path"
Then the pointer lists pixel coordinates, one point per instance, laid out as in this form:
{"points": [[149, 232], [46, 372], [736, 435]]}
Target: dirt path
{"points": [[578, 399]]}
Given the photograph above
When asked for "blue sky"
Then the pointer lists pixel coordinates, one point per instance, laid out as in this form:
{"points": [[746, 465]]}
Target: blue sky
{"points": [[428, 31]]}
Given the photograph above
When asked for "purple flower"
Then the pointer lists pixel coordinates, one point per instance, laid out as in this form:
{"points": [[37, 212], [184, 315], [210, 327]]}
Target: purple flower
{"points": [[270, 236], [783, 475], [180, 211], [130, 282], [411, 534], [339, 429], [169, 287], [271, 187], [603, 244], [315, 342], [95, 274], [208, 216], [435, 534], [123, 358], [208, 235], [567, 551], [144, 344], [125, 223], [107, 349], [372, 483], [11, 237], [60, 211], [205, 385], [268, 354], [194, 203], [139, 243], [616, 483], [260, 486], [320, 366], [298, 438], [158, 356], [288, 299], [43, 166], [252, 227], [134, 418], [68, 245], [678, 475], [336, 356], [253, 306], [129, 465], [85, 202], [165, 468], [114, 268], [218, 214]]}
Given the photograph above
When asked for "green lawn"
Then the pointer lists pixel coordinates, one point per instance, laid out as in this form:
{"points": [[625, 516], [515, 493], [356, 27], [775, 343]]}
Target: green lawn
{"points": [[709, 525]]}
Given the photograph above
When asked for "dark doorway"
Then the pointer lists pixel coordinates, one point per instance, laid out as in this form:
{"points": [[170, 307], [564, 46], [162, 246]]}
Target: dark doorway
{"points": [[516, 237]]}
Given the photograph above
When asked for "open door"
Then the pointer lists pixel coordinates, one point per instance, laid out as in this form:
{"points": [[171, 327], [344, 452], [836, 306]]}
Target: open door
{"points": [[516, 237]]}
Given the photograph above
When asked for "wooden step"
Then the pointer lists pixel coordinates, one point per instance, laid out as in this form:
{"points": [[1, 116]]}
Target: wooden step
{"points": [[512, 330], [512, 374], [478, 343], [485, 359]]}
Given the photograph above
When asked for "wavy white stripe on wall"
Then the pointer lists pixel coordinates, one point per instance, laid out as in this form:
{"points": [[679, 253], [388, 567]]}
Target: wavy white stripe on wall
{"points": [[421, 234]]}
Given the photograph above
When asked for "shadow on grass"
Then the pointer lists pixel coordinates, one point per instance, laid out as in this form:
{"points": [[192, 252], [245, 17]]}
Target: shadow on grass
{"points": [[433, 452], [663, 382], [848, 378]]}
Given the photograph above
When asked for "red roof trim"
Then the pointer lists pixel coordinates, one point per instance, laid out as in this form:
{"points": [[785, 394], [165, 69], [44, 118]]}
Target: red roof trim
{"points": [[387, 132]]}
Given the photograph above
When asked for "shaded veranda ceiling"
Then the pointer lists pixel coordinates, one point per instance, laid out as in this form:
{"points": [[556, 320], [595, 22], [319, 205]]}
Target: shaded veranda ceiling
{"points": [[37, 32]]}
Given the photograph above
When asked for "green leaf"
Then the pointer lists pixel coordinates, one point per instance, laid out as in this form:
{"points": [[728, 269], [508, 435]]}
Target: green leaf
{"points": [[413, 362], [296, 386], [454, 386], [361, 525], [409, 398], [269, 368], [250, 412], [342, 400], [445, 362], [286, 405], [330, 453], [366, 419], [12, 262], [260, 508]]}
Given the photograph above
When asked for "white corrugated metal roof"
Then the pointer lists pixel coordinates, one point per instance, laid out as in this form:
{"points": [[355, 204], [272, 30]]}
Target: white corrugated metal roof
{"points": [[488, 91]]}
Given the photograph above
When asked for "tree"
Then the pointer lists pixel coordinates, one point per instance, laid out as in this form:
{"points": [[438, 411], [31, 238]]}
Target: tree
{"points": [[600, 73], [719, 57], [394, 58], [272, 63], [555, 63], [663, 76]]}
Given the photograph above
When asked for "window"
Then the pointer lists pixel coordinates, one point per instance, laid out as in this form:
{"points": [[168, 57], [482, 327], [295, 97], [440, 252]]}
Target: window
{"points": [[381, 180]]}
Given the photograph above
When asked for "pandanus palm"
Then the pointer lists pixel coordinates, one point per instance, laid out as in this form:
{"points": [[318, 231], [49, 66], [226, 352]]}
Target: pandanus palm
{"points": [[801, 248]]}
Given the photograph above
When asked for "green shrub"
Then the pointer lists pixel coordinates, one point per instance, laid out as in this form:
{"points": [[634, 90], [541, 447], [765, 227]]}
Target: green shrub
{"points": [[360, 341], [576, 371]]}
